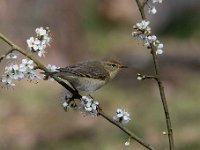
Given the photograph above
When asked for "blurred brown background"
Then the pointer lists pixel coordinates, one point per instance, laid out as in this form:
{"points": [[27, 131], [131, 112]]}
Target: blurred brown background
{"points": [[31, 116]]}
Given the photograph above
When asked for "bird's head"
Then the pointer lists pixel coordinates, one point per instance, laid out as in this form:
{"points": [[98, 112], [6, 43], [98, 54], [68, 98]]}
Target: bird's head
{"points": [[112, 66]]}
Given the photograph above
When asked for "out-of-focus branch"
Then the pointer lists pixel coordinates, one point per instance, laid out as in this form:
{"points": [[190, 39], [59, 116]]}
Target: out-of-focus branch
{"points": [[74, 92]]}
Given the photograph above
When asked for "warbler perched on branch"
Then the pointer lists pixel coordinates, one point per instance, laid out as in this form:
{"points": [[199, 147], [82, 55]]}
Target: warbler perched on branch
{"points": [[90, 75]]}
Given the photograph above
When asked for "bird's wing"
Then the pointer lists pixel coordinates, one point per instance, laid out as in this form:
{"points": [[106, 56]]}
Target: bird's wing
{"points": [[87, 69]]}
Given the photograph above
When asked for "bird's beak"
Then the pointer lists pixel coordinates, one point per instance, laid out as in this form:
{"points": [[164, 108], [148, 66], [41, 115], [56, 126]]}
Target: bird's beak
{"points": [[123, 66]]}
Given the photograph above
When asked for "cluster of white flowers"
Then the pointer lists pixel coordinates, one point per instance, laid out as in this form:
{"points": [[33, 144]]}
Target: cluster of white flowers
{"points": [[151, 9], [90, 106], [142, 31], [39, 43], [87, 104], [11, 56], [122, 116], [18, 72]]}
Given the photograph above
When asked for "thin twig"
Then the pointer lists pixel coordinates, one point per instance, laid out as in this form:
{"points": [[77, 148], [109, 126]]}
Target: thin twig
{"points": [[145, 77], [164, 100], [141, 9], [74, 92], [160, 85], [144, 3], [151, 77], [127, 131]]}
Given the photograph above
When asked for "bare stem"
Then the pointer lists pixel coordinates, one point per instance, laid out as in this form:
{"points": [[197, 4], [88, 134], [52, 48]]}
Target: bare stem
{"points": [[164, 100], [145, 3], [160, 83], [127, 131], [75, 93], [141, 9]]}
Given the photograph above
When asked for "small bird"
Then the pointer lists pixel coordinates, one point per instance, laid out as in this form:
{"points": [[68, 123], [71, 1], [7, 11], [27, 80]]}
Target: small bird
{"points": [[90, 75]]}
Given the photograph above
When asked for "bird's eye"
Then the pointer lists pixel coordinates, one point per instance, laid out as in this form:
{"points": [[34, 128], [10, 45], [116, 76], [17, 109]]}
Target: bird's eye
{"points": [[113, 65]]}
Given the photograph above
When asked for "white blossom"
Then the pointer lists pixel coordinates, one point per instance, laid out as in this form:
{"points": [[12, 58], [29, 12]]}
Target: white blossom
{"points": [[151, 38], [159, 51], [122, 116], [65, 104], [31, 74], [164, 133], [7, 77], [148, 40], [142, 36], [152, 10], [17, 74], [40, 31], [160, 46], [8, 70], [46, 40], [127, 143], [51, 68], [157, 1], [7, 80], [11, 56], [26, 64], [142, 25], [134, 33], [142, 29], [139, 78], [41, 53], [31, 42], [36, 44]]}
